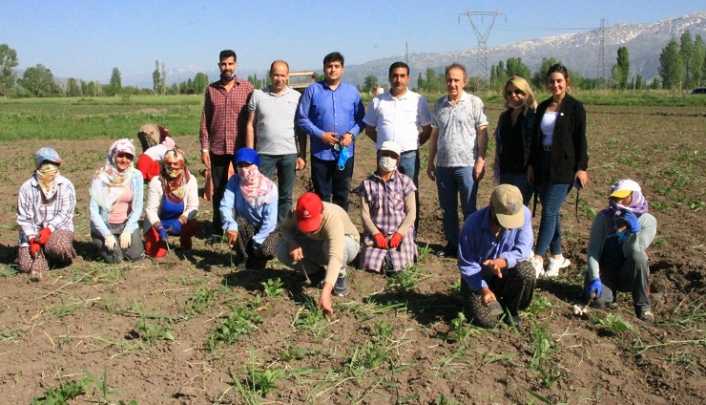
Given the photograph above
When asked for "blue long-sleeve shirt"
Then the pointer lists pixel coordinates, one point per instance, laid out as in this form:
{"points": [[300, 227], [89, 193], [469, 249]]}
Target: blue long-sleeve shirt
{"points": [[324, 110], [263, 217], [478, 244]]}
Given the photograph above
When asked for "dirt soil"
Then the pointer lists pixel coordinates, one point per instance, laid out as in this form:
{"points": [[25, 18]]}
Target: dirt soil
{"points": [[140, 331]]}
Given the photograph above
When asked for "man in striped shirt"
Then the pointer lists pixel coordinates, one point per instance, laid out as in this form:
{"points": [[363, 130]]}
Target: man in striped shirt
{"points": [[222, 128], [45, 213]]}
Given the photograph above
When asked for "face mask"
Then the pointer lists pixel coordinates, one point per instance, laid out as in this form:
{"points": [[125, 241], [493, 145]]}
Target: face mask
{"points": [[387, 164], [174, 173]]}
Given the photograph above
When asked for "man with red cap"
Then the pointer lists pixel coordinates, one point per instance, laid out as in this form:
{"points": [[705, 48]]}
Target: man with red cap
{"points": [[320, 234]]}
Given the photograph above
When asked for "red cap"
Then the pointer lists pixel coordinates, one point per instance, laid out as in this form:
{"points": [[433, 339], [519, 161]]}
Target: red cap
{"points": [[309, 211]]}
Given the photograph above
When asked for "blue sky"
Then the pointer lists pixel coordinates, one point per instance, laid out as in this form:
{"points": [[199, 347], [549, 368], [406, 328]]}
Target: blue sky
{"points": [[87, 39]]}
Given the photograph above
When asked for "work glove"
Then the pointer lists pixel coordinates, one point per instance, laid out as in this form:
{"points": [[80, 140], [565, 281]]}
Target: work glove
{"points": [[44, 235], [395, 240], [380, 241], [161, 231], [110, 242], [632, 222], [594, 288], [125, 240], [34, 247]]}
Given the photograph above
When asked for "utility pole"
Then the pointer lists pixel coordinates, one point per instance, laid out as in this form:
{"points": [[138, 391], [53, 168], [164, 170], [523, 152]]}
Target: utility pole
{"points": [[601, 54], [482, 34], [406, 52]]}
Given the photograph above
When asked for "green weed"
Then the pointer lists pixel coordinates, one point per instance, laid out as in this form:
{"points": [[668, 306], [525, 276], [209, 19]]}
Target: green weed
{"points": [[7, 270], [273, 287], [613, 324], [310, 318], [150, 331], [405, 280], [62, 394], [539, 305], [63, 310], [461, 329], [294, 353], [442, 400], [9, 335], [366, 357], [542, 351], [241, 321], [200, 301], [257, 383]]}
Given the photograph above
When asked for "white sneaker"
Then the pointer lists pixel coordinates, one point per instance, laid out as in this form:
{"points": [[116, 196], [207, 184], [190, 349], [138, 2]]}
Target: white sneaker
{"points": [[538, 264], [556, 264]]}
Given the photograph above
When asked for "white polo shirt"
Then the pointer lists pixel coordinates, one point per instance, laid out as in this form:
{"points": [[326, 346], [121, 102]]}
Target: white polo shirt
{"points": [[398, 118]]}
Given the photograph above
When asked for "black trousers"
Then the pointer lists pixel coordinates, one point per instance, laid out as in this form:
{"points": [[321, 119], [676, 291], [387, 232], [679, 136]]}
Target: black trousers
{"points": [[219, 175]]}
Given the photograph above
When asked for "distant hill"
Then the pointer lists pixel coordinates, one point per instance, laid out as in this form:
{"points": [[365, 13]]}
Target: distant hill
{"points": [[578, 51]]}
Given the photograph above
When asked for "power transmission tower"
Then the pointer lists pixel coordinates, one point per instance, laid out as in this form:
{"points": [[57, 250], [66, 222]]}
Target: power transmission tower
{"points": [[601, 54], [406, 52], [482, 34]]}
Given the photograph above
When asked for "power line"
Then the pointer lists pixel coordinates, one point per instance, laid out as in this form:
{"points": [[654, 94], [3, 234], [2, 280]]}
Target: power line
{"points": [[482, 34]]}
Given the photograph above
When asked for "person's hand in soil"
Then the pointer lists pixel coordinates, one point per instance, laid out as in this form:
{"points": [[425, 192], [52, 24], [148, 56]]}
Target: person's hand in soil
{"points": [[301, 164], [297, 254], [496, 266], [325, 301], [431, 170], [478, 169], [232, 237], [487, 296]]}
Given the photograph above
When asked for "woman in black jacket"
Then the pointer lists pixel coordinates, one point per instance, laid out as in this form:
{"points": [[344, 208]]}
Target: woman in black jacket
{"points": [[558, 159], [513, 136]]}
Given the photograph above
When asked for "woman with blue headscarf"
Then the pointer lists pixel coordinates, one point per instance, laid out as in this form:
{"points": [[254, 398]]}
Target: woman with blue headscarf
{"points": [[617, 258]]}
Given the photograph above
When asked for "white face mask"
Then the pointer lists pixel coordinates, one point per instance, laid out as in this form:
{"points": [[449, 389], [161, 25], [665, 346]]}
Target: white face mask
{"points": [[387, 163]]}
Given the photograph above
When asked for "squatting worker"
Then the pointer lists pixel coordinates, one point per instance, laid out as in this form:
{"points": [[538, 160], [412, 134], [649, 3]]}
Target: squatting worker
{"points": [[270, 130], [331, 113], [402, 116], [320, 234], [155, 141], [513, 136], [45, 213], [222, 128], [558, 159], [496, 244], [116, 205], [459, 139], [617, 250]]}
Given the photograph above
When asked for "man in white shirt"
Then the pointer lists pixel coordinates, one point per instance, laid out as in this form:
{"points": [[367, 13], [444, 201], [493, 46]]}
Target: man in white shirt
{"points": [[402, 116]]}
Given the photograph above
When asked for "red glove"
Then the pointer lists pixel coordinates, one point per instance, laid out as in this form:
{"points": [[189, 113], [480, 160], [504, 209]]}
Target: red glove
{"points": [[44, 235], [395, 240], [34, 247], [380, 241]]}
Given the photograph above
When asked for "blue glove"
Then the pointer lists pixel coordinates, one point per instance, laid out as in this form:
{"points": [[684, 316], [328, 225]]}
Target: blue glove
{"points": [[594, 288], [162, 233], [631, 220], [343, 155]]}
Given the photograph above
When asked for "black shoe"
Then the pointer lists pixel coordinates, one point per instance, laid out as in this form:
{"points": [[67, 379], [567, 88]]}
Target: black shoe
{"points": [[341, 286], [213, 239], [646, 315], [512, 320]]}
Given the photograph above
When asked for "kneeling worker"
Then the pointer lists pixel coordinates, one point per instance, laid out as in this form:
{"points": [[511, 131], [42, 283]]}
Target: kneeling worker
{"points": [[495, 246]]}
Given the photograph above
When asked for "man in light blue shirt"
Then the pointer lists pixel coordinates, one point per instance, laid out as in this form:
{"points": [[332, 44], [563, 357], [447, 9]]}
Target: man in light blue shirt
{"points": [[495, 246], [331, 113], [249, 210]]}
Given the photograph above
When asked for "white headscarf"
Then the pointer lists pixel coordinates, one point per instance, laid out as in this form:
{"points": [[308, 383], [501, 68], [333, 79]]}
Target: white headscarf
{"points": [[109, 183]]}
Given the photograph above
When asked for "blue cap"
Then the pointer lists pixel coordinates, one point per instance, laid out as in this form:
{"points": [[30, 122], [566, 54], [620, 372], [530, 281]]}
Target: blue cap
{"points": [[46, 154], [246, 155]]}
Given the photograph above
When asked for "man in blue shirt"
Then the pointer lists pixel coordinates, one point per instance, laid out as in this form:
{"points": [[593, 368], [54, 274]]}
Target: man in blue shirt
{"points": [[493, 257], [331, 112]]}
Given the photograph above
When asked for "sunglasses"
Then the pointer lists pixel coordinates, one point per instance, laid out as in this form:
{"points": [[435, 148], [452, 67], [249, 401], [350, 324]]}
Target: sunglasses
{"points": [[516, 92]]}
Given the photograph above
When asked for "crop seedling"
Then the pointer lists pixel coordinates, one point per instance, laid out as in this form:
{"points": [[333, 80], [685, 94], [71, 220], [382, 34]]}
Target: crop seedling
{"points": [[258, 382], [310, 318], [366, 357], [273, 287], [151, 331], [538, 305], [405, 280], [613, 324], [200, 301], [542, 351], [241, 321], [460, 329], [62, 394]]}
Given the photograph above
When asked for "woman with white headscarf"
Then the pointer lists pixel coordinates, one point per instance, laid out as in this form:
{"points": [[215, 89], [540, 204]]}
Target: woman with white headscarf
{"points": [[617, 258], [45, 212], [116, 205]]}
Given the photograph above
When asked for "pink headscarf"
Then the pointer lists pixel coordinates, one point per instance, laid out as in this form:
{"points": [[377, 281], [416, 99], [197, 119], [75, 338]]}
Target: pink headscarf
{"points": [[254, 186], [109, 182]]}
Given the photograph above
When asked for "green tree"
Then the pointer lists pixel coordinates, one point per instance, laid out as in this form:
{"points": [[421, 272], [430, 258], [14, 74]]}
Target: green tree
{"points": [[686, 50], [698, 62], [621, 69], [671, 66], [370, 82], [515, 66], [156, 79], [8, 62], [115, 84], [639, 82], [200, 82], [420, 82], [39, 81], [539, 79], [73, 89]]}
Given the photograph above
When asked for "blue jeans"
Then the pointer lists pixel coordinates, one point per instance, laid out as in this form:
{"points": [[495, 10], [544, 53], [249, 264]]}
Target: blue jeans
{"points": [[452, 183], [551, 196], [409, 165], [519, 181], [330, 183], [286, 167]]}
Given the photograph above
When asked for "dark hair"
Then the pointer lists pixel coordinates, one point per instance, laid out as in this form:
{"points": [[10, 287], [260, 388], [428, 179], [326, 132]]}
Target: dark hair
{"points": [[559, 68], [455, 65], [227, 53], [333, 57], [397, 65], [279, 61]]}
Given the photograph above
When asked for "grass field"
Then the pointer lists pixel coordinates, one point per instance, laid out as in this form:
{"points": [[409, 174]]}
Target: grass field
{"points": [[195, 329]]}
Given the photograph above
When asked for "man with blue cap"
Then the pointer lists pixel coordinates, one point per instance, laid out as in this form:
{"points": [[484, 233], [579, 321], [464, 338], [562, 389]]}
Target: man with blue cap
{"points": [[45, 213], [249, 210]]}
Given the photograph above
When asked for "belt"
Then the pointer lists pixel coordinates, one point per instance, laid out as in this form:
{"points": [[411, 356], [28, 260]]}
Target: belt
{"points": [[547, 148]]}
